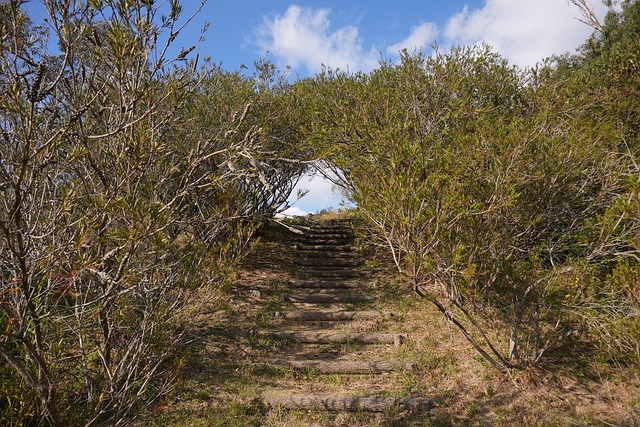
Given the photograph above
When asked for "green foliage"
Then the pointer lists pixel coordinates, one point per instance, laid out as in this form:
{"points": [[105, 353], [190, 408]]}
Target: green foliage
{"points": [[128, 180], [490, 184], [606, 79], [610, 311]]}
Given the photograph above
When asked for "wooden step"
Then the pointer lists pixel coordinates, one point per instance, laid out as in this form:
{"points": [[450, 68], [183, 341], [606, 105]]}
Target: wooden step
{"points": [[324, 284], [333, 273], [329, 232], [341, 248], [326, 299], [320, 228], [332, 315], [350, 403], [325, 239], [324, 254], [326, 242], [344, 366], [328, 262], [315, 337], [326, 236], [324, 227]]}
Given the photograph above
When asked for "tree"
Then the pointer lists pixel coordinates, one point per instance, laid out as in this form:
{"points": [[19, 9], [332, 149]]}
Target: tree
{"points": [[130, 179], [481, 179]]}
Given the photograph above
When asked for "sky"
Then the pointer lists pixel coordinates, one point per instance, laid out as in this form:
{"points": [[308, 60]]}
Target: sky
{"points": [[355, 35]]}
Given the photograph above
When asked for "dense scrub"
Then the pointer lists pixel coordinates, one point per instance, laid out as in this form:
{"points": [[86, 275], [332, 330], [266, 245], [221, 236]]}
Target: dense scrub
{"points": [[509, 197], [128, 178]]}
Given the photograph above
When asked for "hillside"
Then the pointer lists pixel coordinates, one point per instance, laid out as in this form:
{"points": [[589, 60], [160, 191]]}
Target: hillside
{"points": [[317, 331]]}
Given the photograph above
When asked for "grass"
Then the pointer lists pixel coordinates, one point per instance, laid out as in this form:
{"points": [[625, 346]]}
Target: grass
{"points": [[228, 368]]}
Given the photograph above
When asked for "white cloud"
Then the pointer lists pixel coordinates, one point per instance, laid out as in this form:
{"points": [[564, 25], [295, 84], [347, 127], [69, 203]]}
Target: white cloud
{"points": [[302, 36], [420, 38], [523, 31], [321, 194], [292, 211]]}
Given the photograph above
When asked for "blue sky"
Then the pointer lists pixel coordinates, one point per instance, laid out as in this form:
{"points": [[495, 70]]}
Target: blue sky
{"points": [[355, 34]]}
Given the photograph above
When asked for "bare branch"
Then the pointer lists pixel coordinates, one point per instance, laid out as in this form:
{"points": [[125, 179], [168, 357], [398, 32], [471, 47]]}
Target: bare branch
{"points": [[589, 16]]}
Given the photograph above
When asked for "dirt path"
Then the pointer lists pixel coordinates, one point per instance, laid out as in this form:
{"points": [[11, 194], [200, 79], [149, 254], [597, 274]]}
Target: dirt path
{"points": [[317, 332], [328, 299], [304, 337]]}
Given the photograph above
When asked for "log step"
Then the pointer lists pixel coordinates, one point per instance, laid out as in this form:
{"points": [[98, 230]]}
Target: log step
{"points": [[341, 248], [334, 273], [326, 242], [324, 284], [350, 403], [324, 262], [319, 228], [326, 299], [333, 228], [314, 337], [332, 315], [324, 254], [331, 234], [344, 366]]}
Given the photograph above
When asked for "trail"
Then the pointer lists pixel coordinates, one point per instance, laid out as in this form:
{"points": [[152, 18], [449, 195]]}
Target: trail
{"points": [[329, 298]]}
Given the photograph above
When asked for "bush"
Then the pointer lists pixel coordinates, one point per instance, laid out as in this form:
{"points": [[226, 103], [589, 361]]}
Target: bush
{"points": [[487, 183], [117, 204]]}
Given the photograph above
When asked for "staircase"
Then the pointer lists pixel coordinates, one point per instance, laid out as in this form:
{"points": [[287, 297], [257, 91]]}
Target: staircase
{"points": [[329, 320]]}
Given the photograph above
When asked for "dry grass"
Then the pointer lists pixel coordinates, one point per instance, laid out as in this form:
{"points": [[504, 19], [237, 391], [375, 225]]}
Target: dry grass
{"points": [[227, 369]]}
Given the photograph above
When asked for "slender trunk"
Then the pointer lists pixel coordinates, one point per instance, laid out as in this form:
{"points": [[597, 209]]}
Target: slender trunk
{"points": [[449, 316], [515, 329], [106, 333], [52, 407]]}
